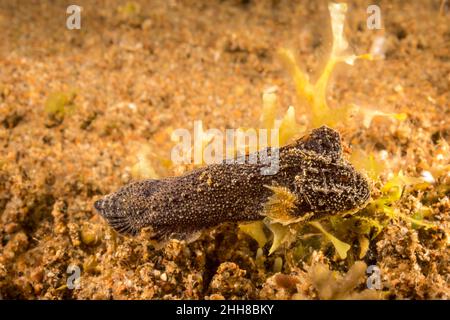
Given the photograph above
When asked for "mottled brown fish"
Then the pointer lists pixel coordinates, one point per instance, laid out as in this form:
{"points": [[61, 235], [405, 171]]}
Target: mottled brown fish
{"points": [[312, 170]]}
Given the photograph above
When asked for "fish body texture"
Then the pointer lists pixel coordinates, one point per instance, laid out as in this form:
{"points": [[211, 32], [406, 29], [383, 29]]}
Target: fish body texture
{"points": [[312, 169]]}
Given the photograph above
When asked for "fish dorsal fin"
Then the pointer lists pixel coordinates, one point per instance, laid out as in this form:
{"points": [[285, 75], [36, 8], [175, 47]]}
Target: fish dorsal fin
{"points": [[323, 141]]}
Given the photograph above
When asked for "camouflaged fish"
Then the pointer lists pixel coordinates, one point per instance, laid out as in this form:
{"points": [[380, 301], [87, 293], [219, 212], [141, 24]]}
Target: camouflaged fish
{"points": [[311, 171]]}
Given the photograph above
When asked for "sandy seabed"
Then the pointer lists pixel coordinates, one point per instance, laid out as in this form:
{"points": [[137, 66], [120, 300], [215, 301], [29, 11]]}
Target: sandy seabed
{"points": [[136, 71]]}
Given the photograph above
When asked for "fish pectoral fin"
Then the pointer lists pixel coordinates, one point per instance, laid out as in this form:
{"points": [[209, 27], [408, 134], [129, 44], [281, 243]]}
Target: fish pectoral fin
{"points": [[280, 205]]}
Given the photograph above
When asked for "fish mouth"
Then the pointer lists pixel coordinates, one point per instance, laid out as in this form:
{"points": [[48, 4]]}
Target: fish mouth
{"points": [[107, 207], [102, 206]]}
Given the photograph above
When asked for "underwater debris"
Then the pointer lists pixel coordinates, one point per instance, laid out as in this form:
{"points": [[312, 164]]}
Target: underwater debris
{"points": [[230, 283], [130, 14], [312, 169], [317, 281], [331, 286], [57, 106]]}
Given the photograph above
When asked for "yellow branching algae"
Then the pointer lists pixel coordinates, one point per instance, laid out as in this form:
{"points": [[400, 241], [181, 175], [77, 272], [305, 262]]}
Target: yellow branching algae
{"points": [[315, 94], [341, 247], [281, 235], [256, 231]]}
